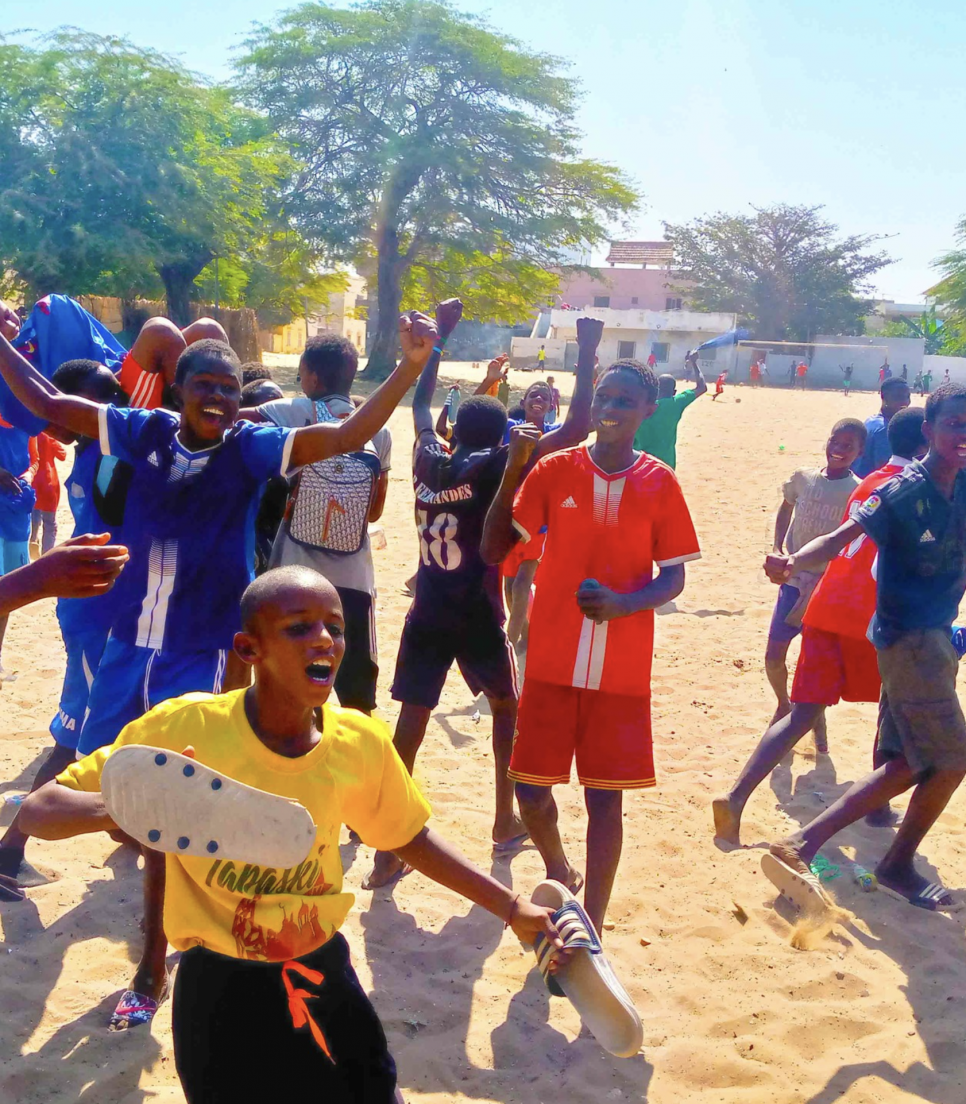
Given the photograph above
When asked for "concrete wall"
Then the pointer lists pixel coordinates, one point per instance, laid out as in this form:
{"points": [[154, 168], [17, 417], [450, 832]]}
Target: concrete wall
{"points": [[523, 352], [650, 287], [938, 366]]}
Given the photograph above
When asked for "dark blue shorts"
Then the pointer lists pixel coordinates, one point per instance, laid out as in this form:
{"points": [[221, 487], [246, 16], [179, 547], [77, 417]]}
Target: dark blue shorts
{"points": [[478, 645], [84, 652], [779, 629], [132, 680]]}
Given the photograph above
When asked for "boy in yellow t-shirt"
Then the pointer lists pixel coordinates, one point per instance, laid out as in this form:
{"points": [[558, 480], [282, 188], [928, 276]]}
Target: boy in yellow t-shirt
{"points": [[266, 1002]]}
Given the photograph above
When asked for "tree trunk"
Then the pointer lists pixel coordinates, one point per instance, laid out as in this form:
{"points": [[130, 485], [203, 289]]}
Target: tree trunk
{"points": [[178, 279], [382, 352]]}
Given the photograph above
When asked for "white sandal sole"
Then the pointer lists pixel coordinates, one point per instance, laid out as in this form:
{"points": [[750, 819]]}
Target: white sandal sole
{"points": [[171, 803]]}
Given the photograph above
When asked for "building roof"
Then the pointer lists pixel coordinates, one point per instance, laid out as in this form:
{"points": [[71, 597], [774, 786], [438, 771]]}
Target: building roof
{"points": [[641, 253]]}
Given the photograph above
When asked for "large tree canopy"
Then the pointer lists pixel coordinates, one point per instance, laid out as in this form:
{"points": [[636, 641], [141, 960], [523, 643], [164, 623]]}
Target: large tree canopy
{"points": [[783, 270], [120, 172], [423, 135]]}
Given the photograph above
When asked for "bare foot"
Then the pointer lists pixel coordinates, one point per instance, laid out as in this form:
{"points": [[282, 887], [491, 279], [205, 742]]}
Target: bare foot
{"points": [[387, 868], [137, 1006], [791, 854], [13, 865], [727, 820]]}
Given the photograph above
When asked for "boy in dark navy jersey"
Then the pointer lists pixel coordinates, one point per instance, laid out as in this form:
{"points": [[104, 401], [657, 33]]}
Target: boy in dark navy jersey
{"points": [[457, 612], [918, 522]]}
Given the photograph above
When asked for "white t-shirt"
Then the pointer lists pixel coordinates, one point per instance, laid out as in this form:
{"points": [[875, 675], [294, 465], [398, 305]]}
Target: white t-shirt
{"points": [[353, 572]]}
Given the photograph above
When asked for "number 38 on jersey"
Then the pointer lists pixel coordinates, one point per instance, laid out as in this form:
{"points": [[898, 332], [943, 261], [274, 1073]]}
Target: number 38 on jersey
{"points": [[437, 540]]}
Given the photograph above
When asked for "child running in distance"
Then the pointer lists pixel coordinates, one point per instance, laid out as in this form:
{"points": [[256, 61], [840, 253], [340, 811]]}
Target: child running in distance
{"points": [[189, 523], [815, 499], [918, 523], [611, 514], [96, 492], [457, 612], [266, 1003], [846, 371], [554, 399], [719, 384], [837, 661]]}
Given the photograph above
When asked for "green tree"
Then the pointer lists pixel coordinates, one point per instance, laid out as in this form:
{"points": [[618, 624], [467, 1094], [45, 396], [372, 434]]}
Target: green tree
{"points": [[423, 135], [950, 293], [930, 329], [122, 173], [783, 270]]}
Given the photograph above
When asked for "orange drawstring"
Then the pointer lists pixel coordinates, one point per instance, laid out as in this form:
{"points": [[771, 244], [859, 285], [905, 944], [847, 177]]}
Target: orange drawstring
{"points": [[296, 1002]]}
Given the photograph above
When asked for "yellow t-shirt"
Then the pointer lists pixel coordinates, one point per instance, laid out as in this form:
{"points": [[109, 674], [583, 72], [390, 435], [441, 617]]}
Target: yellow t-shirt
{"points": [[352, 776]]}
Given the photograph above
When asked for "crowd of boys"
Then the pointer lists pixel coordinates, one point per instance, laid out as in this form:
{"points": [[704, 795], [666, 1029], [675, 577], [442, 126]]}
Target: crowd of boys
{"points": [[165, 656]]}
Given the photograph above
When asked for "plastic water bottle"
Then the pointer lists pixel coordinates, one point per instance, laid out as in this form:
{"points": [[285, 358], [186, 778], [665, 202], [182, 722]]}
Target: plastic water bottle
{"points": [[959, 639], [864, 879]]}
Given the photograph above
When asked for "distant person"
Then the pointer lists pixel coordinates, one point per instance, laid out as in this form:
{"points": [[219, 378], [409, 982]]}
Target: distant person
{"points": [[658, 434], [652, 361], [814, 500], [905, 373], [754, 373], [542, 357], [885, 372], [719, 384], [946, 378], [791, 373], [925, 381], [801, 373], [846, 371], [554, 399], [895, 396], [43, 522]]}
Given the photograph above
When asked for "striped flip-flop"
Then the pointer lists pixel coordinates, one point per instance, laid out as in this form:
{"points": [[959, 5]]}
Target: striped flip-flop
{"points": [[171, 803], [803, 889], [587, 979], [932, 898]]}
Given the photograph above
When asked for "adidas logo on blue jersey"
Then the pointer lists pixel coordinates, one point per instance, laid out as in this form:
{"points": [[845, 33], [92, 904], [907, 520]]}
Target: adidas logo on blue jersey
{"points": [[926, 537]]}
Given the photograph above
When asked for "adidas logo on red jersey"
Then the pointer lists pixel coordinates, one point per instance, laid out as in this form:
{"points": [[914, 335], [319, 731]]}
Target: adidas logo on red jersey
{"points": [[568, 503]]}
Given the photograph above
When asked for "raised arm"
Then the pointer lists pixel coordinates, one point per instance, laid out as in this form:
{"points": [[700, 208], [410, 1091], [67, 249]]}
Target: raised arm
{"points": [[42, 399], [814, 555], [700, 383], [576, 425], [499, 536], [418, 335], [495, 371], [448, 314]]}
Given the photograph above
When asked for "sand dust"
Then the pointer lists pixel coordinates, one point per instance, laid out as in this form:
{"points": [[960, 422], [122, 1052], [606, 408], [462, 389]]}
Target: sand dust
{"points": [[732, 1013]]}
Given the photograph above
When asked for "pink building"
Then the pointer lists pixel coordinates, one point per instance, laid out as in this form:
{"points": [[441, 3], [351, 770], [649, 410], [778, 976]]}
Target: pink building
{"points": [[648, 285]]}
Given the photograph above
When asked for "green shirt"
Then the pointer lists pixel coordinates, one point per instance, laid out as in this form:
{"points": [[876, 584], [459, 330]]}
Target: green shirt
{"points": [[659, 434]]}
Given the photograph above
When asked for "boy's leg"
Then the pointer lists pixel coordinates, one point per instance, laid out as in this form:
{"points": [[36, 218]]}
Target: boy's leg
{"points": [[543, 751], [425, 656], [605, 838], [35, 519], [778, 740], [49, 518], [780, 635], [14, 842], [614, 753], [507, 826]]}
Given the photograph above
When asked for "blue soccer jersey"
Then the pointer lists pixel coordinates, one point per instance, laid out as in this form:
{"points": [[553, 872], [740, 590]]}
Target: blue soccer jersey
{"points": [[81, 615], [189, 525]]}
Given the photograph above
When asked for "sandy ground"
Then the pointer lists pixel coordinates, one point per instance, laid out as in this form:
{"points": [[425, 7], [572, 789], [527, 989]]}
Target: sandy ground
{"points": [[876, 1013]]}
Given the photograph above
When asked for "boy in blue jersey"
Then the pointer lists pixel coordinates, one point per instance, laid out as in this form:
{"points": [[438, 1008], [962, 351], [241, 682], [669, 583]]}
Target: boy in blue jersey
{"points": [[457, 612], [84, 622], [189, 524]]}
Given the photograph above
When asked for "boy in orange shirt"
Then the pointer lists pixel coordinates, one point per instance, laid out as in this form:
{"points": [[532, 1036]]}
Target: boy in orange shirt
{"points": [[612, 514], [47, 490]]}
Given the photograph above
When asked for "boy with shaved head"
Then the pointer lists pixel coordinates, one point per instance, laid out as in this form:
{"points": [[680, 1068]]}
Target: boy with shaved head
{"points": [[266, 1001]]}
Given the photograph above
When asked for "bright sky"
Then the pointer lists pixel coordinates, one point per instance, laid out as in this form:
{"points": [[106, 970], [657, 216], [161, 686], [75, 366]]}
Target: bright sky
{"points": [[711, 106]]}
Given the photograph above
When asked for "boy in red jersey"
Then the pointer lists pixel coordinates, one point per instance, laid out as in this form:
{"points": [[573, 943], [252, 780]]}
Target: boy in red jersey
{"points": [[611, 514], [837, 661], [148, 368]]}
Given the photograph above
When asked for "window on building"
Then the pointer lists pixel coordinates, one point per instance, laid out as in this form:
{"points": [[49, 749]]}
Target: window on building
{"points": [[625, 350], [634, 300], [661, 350], [601, 300], [708, 354], [673, 304]]}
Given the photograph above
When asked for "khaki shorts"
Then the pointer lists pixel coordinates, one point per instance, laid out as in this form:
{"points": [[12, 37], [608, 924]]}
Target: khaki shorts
{"points": [[920, 717]]}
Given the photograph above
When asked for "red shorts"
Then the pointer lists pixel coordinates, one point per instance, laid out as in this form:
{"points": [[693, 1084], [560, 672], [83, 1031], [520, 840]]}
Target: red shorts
{"points": [[832, 667], [610, 735], [144, 389], [520, 553]]}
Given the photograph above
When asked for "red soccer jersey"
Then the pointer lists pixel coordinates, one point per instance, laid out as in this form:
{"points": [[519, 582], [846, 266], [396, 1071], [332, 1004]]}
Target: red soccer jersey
{"points": [[844, 600], [144, 389], [612, 528]]}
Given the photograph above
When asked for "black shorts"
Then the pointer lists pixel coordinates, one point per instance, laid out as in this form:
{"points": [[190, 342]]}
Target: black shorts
{"points": [[355, 681], [477, 643], [235, 1035]]}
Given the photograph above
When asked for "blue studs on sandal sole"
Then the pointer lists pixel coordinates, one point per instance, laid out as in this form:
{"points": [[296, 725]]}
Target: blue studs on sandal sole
{"points": [[212, 847], [183, 842], [160, 759], [154, 835], [188, 770]]}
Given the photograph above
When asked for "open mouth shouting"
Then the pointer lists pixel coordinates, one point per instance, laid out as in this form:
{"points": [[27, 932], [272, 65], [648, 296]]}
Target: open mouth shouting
{"points": [[321, 672]]}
